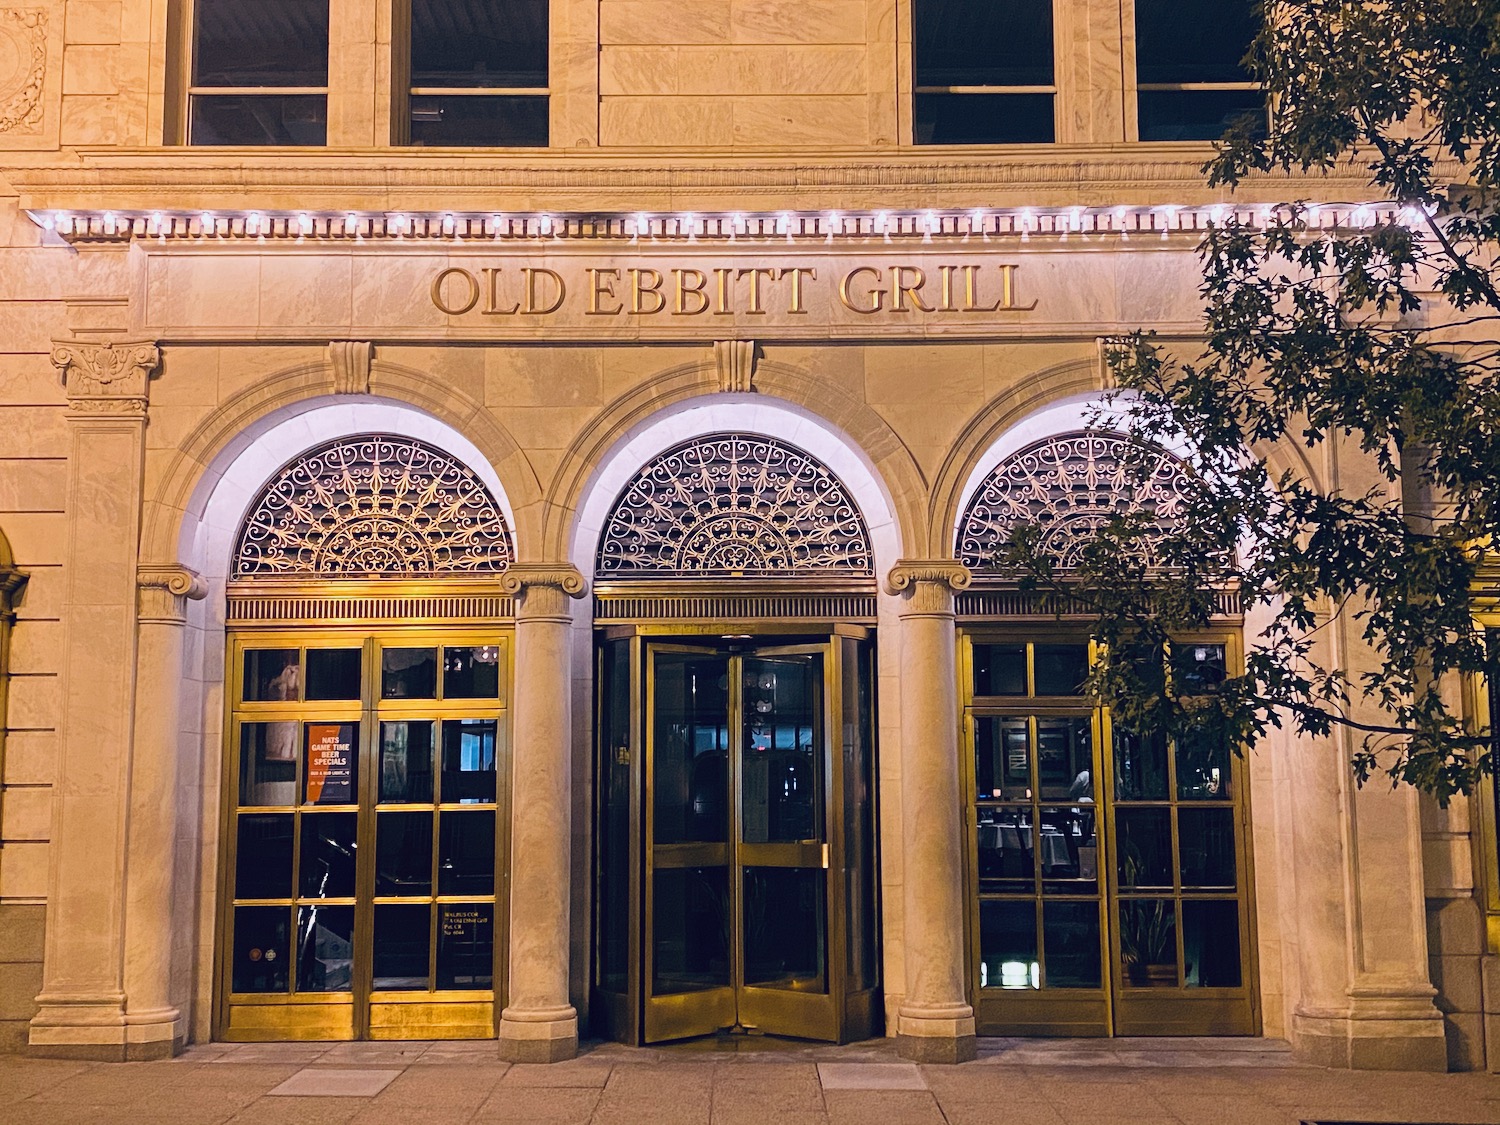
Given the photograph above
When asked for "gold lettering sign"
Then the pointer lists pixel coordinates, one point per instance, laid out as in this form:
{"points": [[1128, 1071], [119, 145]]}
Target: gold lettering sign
{"points": [[893, 292]]}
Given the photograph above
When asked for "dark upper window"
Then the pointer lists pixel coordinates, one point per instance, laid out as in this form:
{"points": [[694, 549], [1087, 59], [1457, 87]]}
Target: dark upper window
{"points": [[983, 72], [259, 73], [1190, 81], [478, 73]]}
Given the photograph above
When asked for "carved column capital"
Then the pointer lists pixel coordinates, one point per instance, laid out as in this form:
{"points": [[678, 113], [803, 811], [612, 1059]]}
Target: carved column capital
{"points": [[350, 360], [928, 585], [107, 377], [543, 589], [162, 593]]}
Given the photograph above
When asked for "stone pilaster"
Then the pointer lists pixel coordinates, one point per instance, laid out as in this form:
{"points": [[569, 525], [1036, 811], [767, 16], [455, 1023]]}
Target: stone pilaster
{"points": [[82, 1003], [539, 1024], [936, 1022], [154, 1027]]}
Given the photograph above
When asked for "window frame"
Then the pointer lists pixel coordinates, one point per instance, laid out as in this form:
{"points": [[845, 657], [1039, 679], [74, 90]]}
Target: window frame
{"points": [[1056, 90], [188, 48], [402, 90], [1130, 70]]}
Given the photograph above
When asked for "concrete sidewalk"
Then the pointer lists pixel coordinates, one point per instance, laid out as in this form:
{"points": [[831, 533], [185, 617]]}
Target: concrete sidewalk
{"points": [[740, 1081]]}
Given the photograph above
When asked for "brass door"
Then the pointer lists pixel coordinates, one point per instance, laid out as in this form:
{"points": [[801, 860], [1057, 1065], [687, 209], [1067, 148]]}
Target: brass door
{"points": [[364, 836], [738, 782]]}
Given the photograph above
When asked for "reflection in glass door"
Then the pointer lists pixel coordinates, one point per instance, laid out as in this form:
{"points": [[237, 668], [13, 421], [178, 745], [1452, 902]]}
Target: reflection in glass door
{"points": [[753, 912], [363, 828], [1111, 887]]}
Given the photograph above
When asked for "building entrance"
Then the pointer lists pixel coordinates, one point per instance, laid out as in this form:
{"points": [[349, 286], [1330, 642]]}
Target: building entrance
{"points": [[736, 839]]}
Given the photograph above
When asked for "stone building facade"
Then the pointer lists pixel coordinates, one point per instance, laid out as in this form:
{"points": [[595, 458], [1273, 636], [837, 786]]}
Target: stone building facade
{"points": [[624, 470]]}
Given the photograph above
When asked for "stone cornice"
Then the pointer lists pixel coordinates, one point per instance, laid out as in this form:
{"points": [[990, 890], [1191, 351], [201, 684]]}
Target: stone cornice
{"points": [[393, 179]]}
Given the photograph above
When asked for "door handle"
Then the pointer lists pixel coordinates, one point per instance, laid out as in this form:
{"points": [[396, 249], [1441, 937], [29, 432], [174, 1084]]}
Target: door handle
{"points": [[825, 857]]}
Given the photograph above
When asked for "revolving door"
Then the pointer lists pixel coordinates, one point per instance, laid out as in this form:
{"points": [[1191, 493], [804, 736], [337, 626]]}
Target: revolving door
{"points": [[735, 854]]}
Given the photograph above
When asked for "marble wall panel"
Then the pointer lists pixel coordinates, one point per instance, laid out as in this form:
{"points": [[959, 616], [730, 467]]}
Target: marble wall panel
{"points": [[93, 21], [30, 759], [36, 646], [30, 380], [797, 21], [37, 537], [801, 121], [35, 702], [664, 123], [662, 21], [31, 326], [32, 486], [27, 813], [90, 69], [23, 871], [91, 120]]}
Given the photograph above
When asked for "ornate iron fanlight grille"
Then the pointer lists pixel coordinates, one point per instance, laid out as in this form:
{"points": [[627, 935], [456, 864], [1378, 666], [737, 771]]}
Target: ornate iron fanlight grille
{"points": [[734, 504], [375, 504], [1070, 486]]}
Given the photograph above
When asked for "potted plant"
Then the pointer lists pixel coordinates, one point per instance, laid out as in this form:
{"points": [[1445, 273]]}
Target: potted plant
{"points": [[1148, 946]]}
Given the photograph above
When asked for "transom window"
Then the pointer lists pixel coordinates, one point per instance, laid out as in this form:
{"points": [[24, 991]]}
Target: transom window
{"points": [[259, 73], [478, 73], [1191, 83], [984, 72]]}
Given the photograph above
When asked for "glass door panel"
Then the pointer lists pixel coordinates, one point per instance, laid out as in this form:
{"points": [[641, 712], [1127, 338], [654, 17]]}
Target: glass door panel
{"points": [[689, 888]]}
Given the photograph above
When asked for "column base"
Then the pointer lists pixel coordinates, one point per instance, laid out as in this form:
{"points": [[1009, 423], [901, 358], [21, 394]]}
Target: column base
{"points": [[937, 1035], [546, 1036], [88, 1028], [1386, 1038]]}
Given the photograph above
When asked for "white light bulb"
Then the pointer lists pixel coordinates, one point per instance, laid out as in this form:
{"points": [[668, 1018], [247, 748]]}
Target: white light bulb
{"points": [[447, 224], [252, 223], [351, 223], [65, 224], [209, 222], [881, 219], [546, 224]]}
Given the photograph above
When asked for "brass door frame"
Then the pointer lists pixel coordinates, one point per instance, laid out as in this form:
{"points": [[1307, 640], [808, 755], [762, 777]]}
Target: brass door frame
{"points": [[1113, 1009], [347, 1015], [779, 1011]]}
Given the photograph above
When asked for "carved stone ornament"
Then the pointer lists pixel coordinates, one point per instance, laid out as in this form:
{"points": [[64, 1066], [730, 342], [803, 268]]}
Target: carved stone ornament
{"points": [[350, 360], [735, 360], [23, 69], [374, 504], [107, 376], [1069, 486], [928, 585], [163, 592], [734, 504]]}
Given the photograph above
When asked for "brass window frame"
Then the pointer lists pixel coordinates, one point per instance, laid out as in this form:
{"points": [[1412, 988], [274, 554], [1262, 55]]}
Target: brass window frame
{"points": [[1076, 1011], [332, 1015]]}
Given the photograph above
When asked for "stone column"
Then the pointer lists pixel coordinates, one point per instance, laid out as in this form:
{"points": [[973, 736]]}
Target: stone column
{"points": [[153, 1024], [936, 1022], [82, 1002], [539, 1024]]}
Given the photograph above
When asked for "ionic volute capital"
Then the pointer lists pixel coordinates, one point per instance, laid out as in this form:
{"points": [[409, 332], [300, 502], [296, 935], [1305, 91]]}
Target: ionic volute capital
{"points": [[163, 592], [107, 376], [543, 589], [928, 585]]}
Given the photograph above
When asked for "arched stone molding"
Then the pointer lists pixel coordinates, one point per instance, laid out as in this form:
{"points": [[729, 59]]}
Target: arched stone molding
{"points": [[857, 428], [178, 504]]}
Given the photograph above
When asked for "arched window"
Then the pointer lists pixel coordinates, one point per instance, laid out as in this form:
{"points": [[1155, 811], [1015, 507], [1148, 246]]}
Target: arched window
{"points": [[374, 505], [733, 504], [1069, 486]]}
